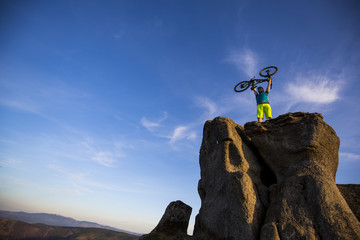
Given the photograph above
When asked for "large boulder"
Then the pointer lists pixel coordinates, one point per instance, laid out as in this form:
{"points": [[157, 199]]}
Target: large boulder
{"points": [[233, 196], [173, 224], [302, 151]]}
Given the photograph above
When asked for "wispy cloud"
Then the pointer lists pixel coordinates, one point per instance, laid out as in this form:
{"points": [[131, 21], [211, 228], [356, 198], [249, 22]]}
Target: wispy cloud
{"points": [[349, 157], [209, 105], [245, 60], [41, 98], [84, 149], [314, 89], [11, 162], [106, 159], [152, 125], [209, 109], [148, 124], [75, 181], [182, 132], [74, 190], [33, 96], [233, 104], [80, 183], [21, 104], [104, 152], [70, 174]]}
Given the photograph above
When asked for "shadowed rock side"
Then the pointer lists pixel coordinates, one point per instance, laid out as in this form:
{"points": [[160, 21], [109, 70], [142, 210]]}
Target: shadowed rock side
{"points": [[173, 224], [233, 197], [302, 151], [351, 193]]}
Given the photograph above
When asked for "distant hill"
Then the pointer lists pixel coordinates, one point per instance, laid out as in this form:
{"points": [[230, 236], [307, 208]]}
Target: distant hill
{"points": [[55, 220], [18, 230]]}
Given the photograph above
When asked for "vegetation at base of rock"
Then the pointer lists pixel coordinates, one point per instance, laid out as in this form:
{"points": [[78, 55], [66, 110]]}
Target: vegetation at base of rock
{"points": [[17, 230]]}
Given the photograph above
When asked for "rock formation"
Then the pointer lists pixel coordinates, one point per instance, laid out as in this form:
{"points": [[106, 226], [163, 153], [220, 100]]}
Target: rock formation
{"points": [[173, 224], [233, 197], [302, 151], [272, 180]]}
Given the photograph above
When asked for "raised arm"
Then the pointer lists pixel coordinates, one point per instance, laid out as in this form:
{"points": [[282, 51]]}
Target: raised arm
{"points": [[269, 85], [254, 89]]}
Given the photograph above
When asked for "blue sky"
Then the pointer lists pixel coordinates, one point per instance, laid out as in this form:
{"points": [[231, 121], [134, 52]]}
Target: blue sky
{"points": [[102, 103]]}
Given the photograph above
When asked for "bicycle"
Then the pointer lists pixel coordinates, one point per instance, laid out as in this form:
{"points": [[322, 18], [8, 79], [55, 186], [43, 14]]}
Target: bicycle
{"points": [[242, 86]]}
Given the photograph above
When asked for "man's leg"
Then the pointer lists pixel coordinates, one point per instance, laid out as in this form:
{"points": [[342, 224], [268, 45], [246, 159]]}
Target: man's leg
{"points": [[260, 112], [267, 111]]}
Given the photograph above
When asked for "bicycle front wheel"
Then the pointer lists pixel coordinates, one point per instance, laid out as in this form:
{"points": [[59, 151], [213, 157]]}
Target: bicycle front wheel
{"points": [[242, 86], [268, 71]]}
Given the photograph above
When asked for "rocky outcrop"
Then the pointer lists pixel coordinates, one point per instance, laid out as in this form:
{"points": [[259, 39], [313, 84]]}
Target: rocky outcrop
{"points": [[272, 180], [302, 151], [233, 197], [173, 224]]}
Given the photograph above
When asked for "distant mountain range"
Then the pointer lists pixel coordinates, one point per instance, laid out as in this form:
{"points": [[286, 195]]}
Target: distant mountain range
{"points": [[56, 220], [18, 230]]}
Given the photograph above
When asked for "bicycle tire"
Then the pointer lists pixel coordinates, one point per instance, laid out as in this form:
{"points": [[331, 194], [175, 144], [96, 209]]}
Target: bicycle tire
{"points": [[275, 69], [243, 86]]}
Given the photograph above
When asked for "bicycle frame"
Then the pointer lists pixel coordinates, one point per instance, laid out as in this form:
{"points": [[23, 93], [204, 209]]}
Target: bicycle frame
{"points": [[253, 82]]}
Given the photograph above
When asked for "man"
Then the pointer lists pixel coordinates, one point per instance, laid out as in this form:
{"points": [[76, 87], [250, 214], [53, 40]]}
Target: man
{"points": [[263, 106]]}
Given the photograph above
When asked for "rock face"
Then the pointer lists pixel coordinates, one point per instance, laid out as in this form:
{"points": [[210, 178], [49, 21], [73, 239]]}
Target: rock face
{"points": [[272, 180], [173, 224], [351, 193], [302, 151], [233, 197]]}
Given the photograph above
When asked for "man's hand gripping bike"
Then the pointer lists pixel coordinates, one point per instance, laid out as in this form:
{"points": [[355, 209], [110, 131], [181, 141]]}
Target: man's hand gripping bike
{"points": [[265, 72]]}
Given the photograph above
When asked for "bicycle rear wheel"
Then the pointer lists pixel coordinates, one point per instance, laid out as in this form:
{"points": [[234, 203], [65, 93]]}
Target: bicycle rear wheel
{"points": [[242, 86], [268, 71]]}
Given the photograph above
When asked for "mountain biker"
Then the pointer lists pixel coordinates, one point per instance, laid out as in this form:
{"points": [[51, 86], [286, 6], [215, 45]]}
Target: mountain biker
{"points": [[263, 106]]}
